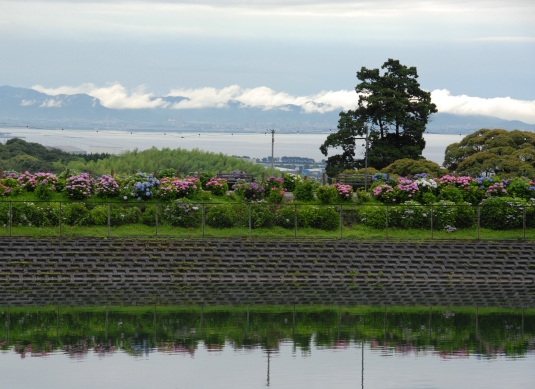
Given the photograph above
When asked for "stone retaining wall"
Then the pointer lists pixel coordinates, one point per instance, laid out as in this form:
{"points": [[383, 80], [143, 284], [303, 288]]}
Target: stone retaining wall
{"points": [[90, 271]]}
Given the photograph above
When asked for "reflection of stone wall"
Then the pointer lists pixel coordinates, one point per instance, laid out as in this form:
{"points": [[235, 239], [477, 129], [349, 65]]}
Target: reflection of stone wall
{"points": [[238, 271]]}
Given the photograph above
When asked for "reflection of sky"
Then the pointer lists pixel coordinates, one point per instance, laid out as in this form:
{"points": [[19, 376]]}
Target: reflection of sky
{"points": [[252, 145], [230, 368]]}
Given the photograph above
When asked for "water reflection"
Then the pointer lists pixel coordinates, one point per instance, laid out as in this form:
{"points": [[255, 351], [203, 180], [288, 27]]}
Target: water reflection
{"points": [[447, 333]]}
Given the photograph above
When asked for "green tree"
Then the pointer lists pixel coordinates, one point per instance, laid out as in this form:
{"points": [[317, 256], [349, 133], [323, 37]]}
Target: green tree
{"points": [[409, 167], [394, 110], [487, 152]]}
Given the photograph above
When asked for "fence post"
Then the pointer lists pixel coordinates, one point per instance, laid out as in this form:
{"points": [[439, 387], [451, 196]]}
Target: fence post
{"points": [[109, 211], [386, 221], [324, 178], [1, 173], [478, 222], [156, 216], [203, 218], [112, 173], [432, 222], [67, 173], [341, 220], [263, 178], [524, 223], [249, 214], [10, 218], [295, 220], [60, 217]]}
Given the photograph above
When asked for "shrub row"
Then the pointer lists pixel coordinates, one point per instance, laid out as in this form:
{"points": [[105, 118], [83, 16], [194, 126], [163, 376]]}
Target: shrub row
{"points": [[495, 213]]}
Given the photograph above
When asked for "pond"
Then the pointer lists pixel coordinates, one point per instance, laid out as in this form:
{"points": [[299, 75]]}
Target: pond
{"points": [[266, 346]]}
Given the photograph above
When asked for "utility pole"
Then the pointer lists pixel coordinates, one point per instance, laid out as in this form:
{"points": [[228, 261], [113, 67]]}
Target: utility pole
{"points": [[272, 149]]}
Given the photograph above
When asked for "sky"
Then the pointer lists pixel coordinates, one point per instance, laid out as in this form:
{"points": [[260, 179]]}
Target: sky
{"points": [[475, 56]]}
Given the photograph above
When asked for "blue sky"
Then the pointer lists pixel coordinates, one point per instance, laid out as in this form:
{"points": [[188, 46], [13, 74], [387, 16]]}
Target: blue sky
{"points": [[477, 56]]}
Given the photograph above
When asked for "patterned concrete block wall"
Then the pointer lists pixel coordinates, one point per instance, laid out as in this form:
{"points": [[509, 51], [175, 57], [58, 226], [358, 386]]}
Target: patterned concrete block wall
{"points": [[90, 271]]}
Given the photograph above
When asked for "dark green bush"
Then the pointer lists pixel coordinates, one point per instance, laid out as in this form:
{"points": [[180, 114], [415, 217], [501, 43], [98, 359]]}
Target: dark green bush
{"points": [[373, 216], [327, 194], [304, 190], [75, 214], [183, 213], [285, 217], [451, 193], [410, 214], [502, 213], [262, 216], [324, 218], [221, 216], [148, 216]]}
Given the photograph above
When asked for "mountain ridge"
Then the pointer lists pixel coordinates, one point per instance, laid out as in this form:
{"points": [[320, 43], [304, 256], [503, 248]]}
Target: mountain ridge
{"points": [[28, 107]]}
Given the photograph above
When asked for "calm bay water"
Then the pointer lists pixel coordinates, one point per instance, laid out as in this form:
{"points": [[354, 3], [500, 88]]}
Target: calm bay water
{"points": [[279, 347], [242, 144]]}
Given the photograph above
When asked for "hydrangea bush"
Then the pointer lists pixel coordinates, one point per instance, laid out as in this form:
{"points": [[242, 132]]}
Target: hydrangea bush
{"points": [[249, 191], [218, 186], [106, 187], [79, 187], [174, 188]]}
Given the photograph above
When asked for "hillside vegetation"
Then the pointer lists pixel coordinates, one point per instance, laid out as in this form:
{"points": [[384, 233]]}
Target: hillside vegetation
{"points": [[19, 155], [184, 161]]}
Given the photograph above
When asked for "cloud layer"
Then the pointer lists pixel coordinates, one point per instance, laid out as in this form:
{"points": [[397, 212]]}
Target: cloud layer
{"points": [[116, 96], [113, 95]]}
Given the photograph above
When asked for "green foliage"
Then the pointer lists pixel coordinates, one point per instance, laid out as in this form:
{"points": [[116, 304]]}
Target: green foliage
{"points": [[487, 152], [222, 215], [218, 186], [520, 187], [409, 167], [448, 215], [450, 193], [249, 191], [75, 214], [262, 216], [304, 190], [168, 172], [183, 213], [17, 154], [502, 213], [290, 180], [410, 214], [428, 198], [275, 196], [325, 218], [395, 111], [148, 216], [285, 217], [327, 194], [373, 216], [119, 215], [181, 160]]}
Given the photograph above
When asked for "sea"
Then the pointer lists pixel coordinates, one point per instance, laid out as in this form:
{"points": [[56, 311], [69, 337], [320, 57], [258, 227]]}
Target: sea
{"points": [[253, 145]]}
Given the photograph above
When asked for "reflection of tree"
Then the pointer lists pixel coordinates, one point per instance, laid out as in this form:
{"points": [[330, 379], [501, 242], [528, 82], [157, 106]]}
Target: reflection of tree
{"points": [[141, 330]]}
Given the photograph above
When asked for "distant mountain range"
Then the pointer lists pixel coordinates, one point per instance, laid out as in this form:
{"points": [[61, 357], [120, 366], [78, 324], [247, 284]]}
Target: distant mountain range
{"points": [[27, 107]]}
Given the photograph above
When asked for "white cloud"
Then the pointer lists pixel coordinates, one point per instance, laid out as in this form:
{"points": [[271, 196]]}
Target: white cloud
{"points": [[118, 97], [27, 103], [51, 103], [111, 96], [265, 98], [501, 107]]}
